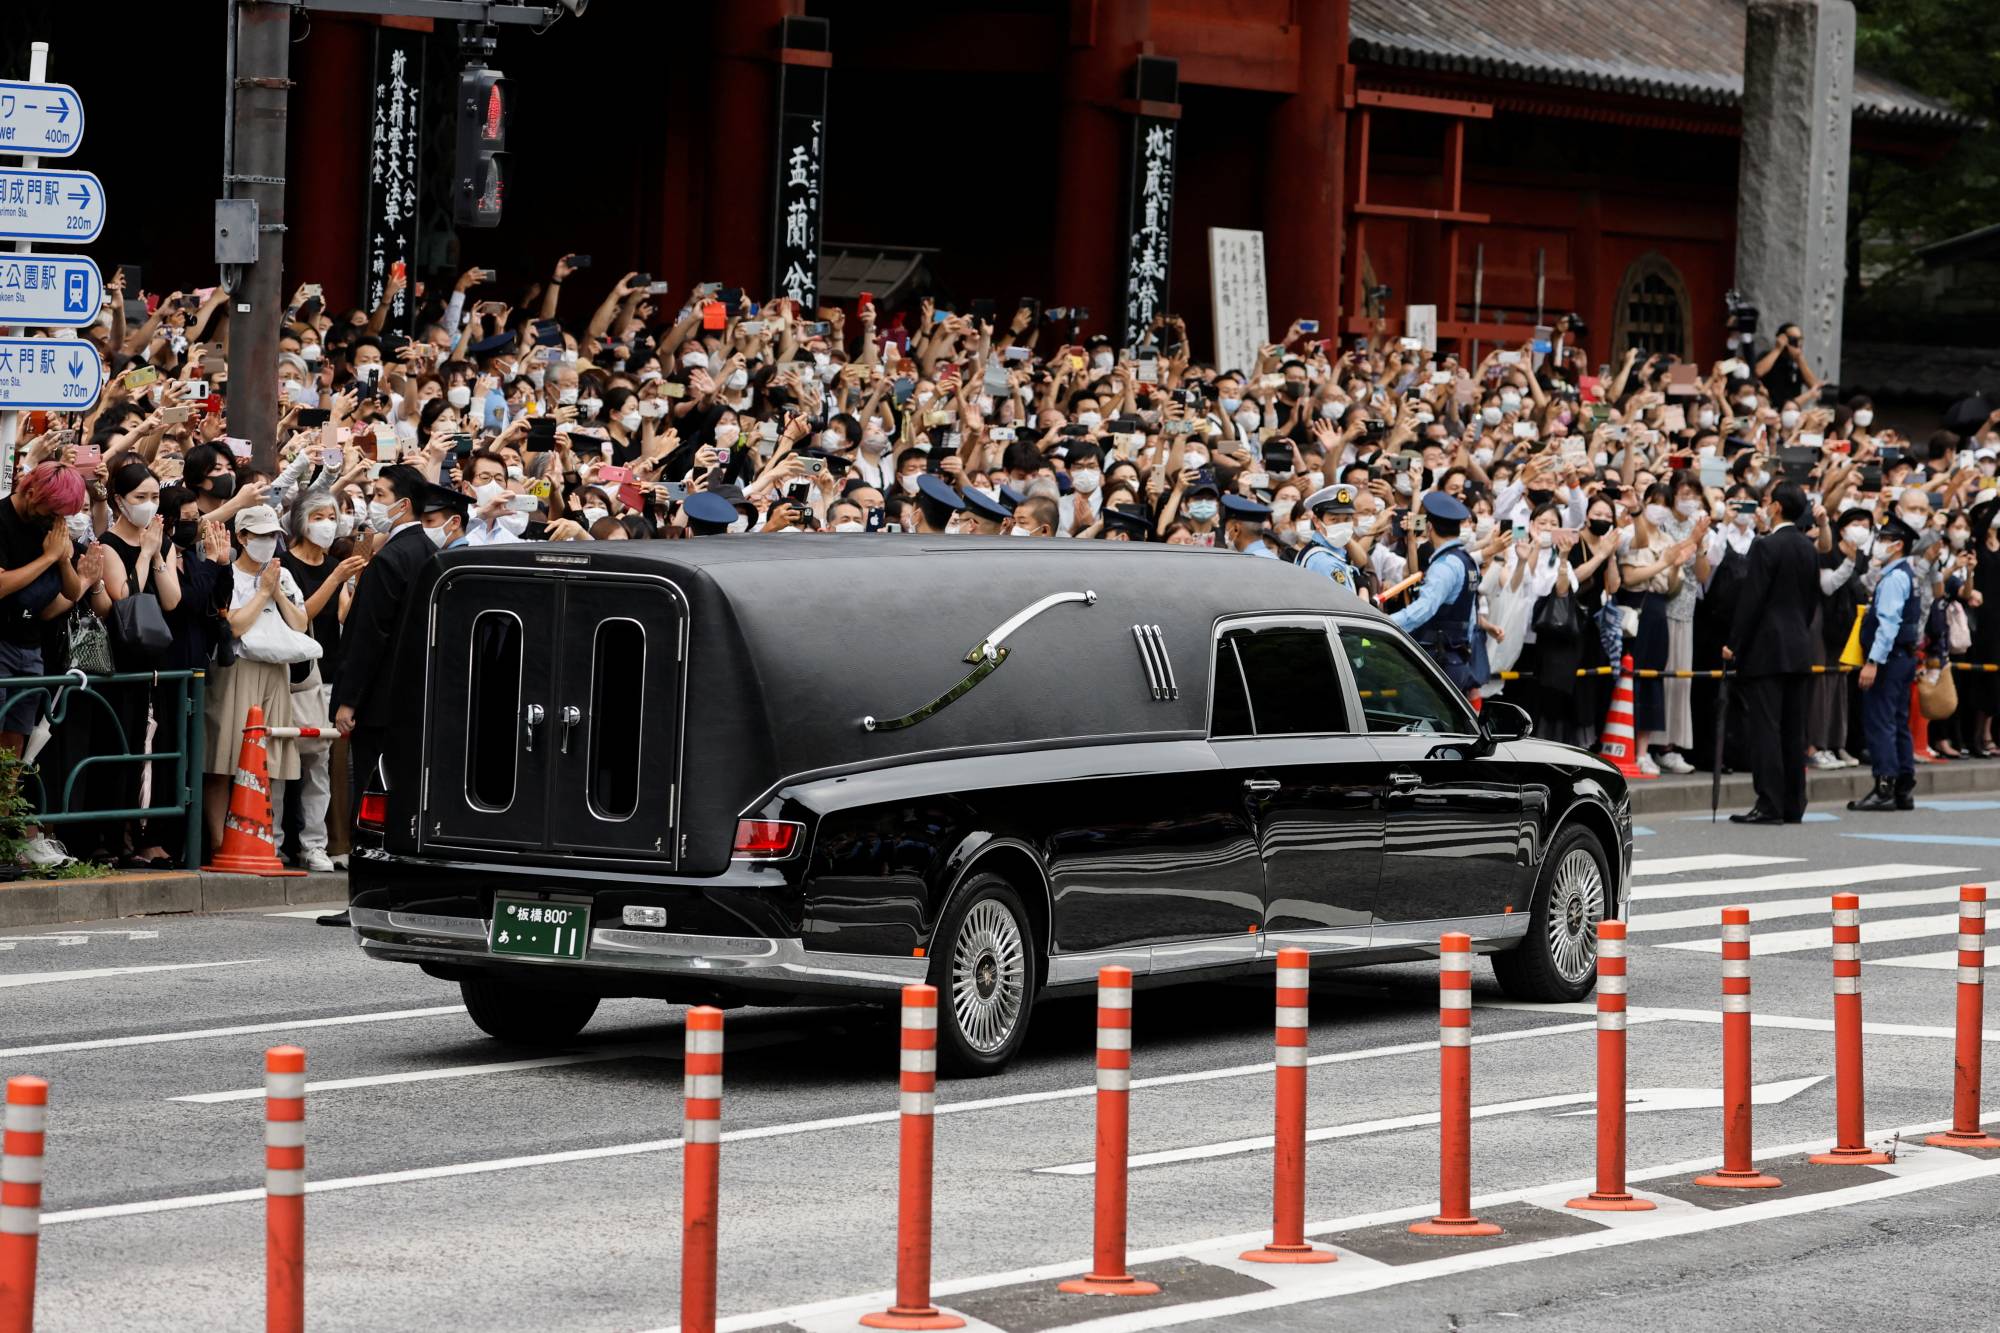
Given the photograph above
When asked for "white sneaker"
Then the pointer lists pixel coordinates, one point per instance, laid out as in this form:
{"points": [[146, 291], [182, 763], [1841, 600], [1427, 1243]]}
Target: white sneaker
{"points": [[340, 862], [46, 853], [1825, 759], [1673, 761], [316, 859], [1648, 767], [1846, 760]]}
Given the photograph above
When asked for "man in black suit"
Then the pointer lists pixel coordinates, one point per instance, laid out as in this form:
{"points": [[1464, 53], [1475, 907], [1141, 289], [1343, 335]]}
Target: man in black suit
{"points": [[1770, 649]]}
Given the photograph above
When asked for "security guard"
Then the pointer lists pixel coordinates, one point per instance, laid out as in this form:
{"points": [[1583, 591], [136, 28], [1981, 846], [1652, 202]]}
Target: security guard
{"points": [[937, 505], [1243, 523], [1889, 633], [708, 514], [1332, 510], [984, 516], [1445, 617], [1125, 523]]}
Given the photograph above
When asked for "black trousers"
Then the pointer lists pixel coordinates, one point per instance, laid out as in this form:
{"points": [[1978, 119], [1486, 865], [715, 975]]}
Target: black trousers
{"points": [[1774, 716]]}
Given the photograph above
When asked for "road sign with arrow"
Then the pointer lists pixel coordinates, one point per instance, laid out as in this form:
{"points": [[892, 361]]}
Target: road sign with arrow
{"points": [[40, 119], [59, 375], [37, 204]]}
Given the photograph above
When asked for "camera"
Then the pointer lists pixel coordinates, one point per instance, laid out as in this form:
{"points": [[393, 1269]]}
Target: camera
{"points": [[1742, 319]]}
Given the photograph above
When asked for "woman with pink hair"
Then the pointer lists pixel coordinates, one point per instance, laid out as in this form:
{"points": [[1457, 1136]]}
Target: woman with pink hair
{"points": [[40, 579]]}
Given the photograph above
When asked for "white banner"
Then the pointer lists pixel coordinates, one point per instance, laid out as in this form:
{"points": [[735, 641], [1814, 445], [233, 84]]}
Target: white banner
{"points": [[1242, 309]]}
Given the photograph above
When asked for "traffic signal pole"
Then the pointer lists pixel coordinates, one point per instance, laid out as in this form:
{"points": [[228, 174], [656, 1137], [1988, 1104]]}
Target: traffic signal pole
{"points": [[259, 94]]}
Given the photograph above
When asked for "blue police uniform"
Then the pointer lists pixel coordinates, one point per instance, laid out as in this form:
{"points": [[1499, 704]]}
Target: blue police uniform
{"points": [[1320, 555], [1890, 629], [1444, 620], [1245, 510]]}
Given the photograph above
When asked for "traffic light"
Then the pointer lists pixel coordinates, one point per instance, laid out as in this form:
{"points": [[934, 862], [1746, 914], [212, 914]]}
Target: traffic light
{"points": [[481, 178]]}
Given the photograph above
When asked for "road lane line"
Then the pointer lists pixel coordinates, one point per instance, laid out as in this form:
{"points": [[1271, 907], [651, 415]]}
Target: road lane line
{"points": [[1683, 865], [423, 1075], [100, 973], [1832, 877], [1692, 917], [1821, 937], [310, 914], [201, 1034], [785, 1130], [1937, 961], [1929, 839]]}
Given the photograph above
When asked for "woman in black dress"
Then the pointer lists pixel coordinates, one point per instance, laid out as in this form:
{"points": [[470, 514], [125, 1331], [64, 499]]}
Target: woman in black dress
{"points": [[137, 536]]}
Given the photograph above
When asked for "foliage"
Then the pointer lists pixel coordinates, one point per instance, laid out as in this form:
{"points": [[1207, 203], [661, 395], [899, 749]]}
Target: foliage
{"points": [[17, 812]]}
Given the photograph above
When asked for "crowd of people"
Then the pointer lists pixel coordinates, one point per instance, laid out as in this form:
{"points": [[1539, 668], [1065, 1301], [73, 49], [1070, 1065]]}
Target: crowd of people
{"points": [[1585, 510]]}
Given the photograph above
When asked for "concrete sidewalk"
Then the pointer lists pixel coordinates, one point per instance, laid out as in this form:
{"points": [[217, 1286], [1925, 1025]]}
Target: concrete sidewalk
{"points": [[1672, 794]]}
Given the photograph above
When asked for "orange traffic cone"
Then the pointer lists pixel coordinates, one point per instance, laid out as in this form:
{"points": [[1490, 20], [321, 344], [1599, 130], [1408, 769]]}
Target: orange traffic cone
{"points": [[247, 848], [1920, 727], [1617, 743]]}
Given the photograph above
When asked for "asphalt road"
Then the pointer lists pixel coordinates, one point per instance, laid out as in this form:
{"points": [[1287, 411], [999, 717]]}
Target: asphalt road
{"points": [[544, 1193]]}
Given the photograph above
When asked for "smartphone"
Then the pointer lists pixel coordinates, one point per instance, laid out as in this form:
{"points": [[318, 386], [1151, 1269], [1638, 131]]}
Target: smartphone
{"points": [[1524, 430], [579, 261], [311, 418], [331, 457], [1001, 434], [398, 270], [461, 444], [673, 389], [767, 431], [141, 377], [1410, 344], [814, 467], [194, 389], [1017, 353], [714, 315], [174, 416], [1308, 326], [385, 448], [658, 288], [1520, 532], [730, 297], [1508, 359], [238, 448], [819, 329], [609, 475]]}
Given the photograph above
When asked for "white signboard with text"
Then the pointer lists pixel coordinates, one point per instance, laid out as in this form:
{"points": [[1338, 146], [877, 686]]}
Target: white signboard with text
{"points": [[1242, 306]]}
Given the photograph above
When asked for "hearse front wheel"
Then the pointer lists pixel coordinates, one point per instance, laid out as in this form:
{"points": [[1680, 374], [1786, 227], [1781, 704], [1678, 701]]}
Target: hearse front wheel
{"points": [[522, 1015], [983, 965], [1556, 961]]}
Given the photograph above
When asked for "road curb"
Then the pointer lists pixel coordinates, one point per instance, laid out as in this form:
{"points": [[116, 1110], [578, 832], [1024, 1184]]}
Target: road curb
{"points": [[1688, 793], [55, 902]]}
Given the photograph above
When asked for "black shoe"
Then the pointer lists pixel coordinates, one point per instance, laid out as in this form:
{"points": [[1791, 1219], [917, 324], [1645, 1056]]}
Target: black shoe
{"points": [[1881, 796], [1905, 789], [1756, 816], [339, 918]]}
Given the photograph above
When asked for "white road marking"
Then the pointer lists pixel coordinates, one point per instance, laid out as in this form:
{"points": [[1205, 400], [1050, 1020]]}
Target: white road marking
{"points": [[1821, 937], [423, 1075], [310, 914], [771, 1131], [1937, 961], [202, 1034], [1649, 1014], [1682, 865], [60, 941], [1689, 917], [1833, 877], [100, 973]]}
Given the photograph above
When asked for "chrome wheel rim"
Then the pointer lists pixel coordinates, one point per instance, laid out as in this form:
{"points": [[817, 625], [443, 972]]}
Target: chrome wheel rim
{"points": [[1576, 905], [989, 976]]}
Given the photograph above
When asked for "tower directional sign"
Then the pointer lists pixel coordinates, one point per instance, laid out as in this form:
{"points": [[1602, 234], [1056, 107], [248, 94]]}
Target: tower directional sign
{"points": [[57, 374], [50, 290], [40, 119], [44, 205]]}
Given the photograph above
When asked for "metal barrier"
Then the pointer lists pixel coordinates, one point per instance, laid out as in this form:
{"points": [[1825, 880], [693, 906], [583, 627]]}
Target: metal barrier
{"points": [[1648, 673], [178, 769]]}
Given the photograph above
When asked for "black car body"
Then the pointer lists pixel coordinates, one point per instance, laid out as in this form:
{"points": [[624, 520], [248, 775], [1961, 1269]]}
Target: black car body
{"points": [[818, 768]]}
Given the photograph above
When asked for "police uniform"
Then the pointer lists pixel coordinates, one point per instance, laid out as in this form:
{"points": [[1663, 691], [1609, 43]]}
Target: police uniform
{"points": [[1889, 635], [1129, 521], [936, 501], [986, 511], [1322, 556], [708, 514], [1241, 509], [1444, 619]]}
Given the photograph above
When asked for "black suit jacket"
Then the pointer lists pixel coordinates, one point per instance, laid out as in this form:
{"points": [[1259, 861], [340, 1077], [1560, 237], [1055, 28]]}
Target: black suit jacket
{"points": [[1772, 631], [368, 639]]}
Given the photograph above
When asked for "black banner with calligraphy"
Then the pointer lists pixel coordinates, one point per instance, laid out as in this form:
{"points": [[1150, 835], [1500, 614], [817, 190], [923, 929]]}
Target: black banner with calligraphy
{"points": [[801, 158], [1149, 231], [389, 227]]}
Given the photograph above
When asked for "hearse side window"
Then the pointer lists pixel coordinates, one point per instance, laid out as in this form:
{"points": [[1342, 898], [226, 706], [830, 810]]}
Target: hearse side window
{"points": [[1397, 694], [1287, 683], [493, 712], [617, 717]]}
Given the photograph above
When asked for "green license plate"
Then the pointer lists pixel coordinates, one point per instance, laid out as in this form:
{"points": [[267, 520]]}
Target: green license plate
{"points": [[535, 929]]}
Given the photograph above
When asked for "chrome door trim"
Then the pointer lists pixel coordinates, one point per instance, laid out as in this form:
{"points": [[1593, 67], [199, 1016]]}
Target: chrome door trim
{"points": [[1318, 939], [1491, 928]]}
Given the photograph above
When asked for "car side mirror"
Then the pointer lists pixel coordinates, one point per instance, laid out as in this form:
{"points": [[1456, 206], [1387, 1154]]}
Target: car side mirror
{"points": [[1502, 721]]}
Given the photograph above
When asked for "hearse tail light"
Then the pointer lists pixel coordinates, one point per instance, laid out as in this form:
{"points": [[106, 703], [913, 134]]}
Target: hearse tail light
{"points": [[374, 812], [765, 839]]}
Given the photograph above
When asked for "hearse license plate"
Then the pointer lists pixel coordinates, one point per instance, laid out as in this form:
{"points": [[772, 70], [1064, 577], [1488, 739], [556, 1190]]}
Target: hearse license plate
{"points": [[539, 929]]}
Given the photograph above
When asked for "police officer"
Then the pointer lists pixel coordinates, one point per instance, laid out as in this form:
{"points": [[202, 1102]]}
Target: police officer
{"points": [[1444, 618], [708, 514], [937, 504], [984, 517], [1332, 510], [1243, 523], [1889, 633]]}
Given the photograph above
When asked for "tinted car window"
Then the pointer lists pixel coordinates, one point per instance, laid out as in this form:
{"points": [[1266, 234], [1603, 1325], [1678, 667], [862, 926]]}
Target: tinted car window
{"points": [[1397, 694], [1287, 678]]}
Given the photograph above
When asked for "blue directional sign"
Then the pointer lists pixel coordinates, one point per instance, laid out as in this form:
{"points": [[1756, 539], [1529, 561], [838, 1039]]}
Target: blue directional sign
{"points": [[49, 290], [47, 205], [40, 119], [58, 374]]}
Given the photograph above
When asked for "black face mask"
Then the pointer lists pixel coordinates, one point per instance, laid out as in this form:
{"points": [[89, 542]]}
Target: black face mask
{"points": [[1599, 526], [222, 485], [1537, 499], [185, 533]]}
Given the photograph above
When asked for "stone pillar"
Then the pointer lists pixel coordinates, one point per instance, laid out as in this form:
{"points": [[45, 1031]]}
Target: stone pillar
{"points": [[1105, 38], [1791, 223], [1305, 175]]}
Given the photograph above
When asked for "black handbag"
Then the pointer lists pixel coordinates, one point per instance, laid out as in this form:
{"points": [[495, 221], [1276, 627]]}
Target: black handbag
{"points": [[139, 629], [1558, 616]]}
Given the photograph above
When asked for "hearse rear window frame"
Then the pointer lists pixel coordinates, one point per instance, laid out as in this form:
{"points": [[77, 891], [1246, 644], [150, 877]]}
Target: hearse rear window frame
{"points": [[1218, 635], [480, 738]]}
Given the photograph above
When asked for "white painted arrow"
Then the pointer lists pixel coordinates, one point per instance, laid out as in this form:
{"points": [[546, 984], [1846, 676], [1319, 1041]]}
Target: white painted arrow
{"points": [[1647, 1099]]}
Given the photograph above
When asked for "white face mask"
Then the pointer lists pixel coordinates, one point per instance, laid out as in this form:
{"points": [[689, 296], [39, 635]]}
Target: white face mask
{"points": [[322, 531], [1482, 527], [1085, 481], [592, 513], [1510, 403], [260, 549], [587, 408], [436, 536], [1959, 538], [832, 440], [1789, 418], [1281, 510], [1545, 539], [1863, 416], [1090, 419], [1687, 508], [1745, 519], [1482, 456], [378, 516], [567, 396], [515, 472], [1706, 420], [737, 382], [694, 357], [1019, 532], [1364, 524], [1333, 411], [1102, 360], [1748, 402], [458, 395], [1658, 515], [908, 481], [512, 524], [874, 442], [309, 352], [142, 514], [1490, 414], [849, 526], [1340, 534], [630, 420]]}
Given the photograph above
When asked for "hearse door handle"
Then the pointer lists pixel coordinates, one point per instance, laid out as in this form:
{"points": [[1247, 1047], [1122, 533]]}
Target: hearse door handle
{"points": [[530, 720], [571, 715], [1261, 784], [1402, 782]]}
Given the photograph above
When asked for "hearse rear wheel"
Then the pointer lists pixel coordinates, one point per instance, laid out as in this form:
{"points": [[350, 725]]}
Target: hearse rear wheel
{"points": [[983, 966], [1556, 961], [523, 1015]]}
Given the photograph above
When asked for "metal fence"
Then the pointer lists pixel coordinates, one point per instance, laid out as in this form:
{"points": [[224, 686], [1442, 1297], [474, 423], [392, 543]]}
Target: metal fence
{"points": [[177, 758]]}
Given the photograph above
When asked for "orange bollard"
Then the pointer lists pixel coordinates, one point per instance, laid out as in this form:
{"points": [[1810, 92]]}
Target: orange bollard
{"points": [[913, 1308], [1611, 1194], [701, 1152], [1850, 1147], [1965, 1131], [1738, 1171], [1455, 1216], [1288, 1171], [284, 1189], [247, 846], [1108, 1275], [26, 1117]]}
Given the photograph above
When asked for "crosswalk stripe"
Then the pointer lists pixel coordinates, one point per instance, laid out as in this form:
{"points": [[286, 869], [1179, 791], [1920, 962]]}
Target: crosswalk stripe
{"points": [[1821, 937], [1830, 878], [1681, 865], [1941, 962], [1690, 917]]}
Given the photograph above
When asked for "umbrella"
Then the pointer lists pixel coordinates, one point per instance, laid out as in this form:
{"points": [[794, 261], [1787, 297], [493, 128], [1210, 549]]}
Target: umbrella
{"points": [[1715, 760], [1968, 414]]}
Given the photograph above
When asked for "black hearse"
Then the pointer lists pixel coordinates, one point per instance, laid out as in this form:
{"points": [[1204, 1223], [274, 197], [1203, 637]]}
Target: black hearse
{"points": [[756, 770]]}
